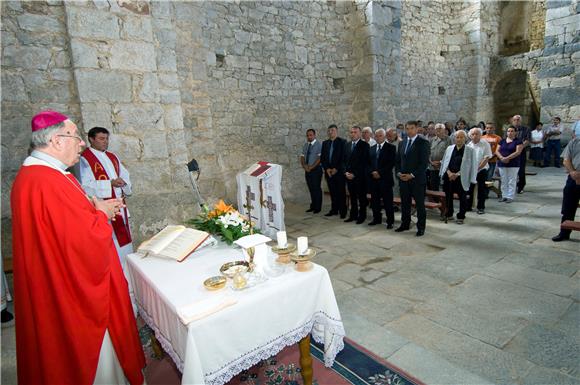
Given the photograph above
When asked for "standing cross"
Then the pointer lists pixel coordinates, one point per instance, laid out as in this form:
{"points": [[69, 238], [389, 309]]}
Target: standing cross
{"points": [[250, 196], [271, 208]]}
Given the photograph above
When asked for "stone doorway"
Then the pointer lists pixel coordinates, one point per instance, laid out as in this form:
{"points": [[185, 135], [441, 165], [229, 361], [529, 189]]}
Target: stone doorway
{"points": [[511, 96]]}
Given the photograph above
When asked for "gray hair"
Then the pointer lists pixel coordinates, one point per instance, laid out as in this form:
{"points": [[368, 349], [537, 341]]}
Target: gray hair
{"points": [[462, 133], [41, 138], [474, 130], [390, 129], [439, 125], [367, 129], [380, 131]]}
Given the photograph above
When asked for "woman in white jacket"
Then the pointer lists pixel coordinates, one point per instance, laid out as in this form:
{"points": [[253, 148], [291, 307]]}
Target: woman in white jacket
{"points": [[458, 171]]}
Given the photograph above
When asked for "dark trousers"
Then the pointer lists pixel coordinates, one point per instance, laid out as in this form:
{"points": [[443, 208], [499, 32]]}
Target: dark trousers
{"points": [[481, 191], [313, 180], [522, 171], [454, 187], [382, 198], [434, 180], [412, 190], [569, 203], [337, 189], [357, 189], [552, 146]]}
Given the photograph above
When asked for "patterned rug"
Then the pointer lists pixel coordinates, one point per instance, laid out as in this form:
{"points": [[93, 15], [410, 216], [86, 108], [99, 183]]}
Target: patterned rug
{"points": [[353, 365]]}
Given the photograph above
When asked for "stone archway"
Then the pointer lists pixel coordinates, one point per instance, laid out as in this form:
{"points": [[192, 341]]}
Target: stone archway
{"points": [[511, 96]]}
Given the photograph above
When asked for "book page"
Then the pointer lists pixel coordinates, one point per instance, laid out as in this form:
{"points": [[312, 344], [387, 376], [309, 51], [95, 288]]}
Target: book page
{"points": [[163, 238], [184, 244]]}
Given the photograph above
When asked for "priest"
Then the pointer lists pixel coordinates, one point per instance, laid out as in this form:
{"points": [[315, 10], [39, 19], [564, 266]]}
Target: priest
{"points": [[104, 176], [74, 322]]}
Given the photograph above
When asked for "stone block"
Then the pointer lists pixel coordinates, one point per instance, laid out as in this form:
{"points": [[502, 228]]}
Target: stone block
{"points": [[560, 96], [96, 114], [549, 348], [147, 87], [166, 38], [13, 88], [173, 116], [84, 55], [39, 23], [136, 28], [26, 57], [155, 146], [378, 307], [541, 376], [91, 23], [134, 56], [138, 119], [166, 60], [557, 13], [103, 86], [301, 54], [550, 4], [170, 96]]}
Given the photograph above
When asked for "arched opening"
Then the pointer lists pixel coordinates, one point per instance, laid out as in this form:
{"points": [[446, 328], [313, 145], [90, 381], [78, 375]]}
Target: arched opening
{"points": [[521, 26], [511, 96]]}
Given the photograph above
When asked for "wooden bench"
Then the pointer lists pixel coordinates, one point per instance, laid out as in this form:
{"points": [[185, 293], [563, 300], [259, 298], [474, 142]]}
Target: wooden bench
{"points": [[570, 225]]}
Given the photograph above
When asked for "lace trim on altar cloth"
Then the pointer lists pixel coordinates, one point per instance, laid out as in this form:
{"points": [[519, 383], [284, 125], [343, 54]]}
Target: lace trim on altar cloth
{"points": [[319, 325], [165, 344]]}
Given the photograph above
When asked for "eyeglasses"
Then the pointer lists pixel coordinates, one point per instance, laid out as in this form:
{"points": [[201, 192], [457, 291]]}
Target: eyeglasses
{"points": [[72, 136]]}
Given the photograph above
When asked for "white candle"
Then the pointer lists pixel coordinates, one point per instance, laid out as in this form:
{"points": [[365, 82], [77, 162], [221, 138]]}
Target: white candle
{"points": [[282, 239], [302, 245]]}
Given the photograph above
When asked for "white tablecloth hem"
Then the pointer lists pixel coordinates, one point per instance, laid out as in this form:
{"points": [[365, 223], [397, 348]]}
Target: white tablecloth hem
{"points": [[165, 344], [320, 326]]}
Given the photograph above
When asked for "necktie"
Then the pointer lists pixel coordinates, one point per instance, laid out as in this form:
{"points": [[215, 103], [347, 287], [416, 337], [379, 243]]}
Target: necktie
{"points": [[331, 149], [352, 147], [409, 142], [379, 146], [308, 153]]}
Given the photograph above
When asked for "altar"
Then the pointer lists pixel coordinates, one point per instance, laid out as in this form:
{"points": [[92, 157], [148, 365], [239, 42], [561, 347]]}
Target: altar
{"points": [[258, 322], [259, 186]]}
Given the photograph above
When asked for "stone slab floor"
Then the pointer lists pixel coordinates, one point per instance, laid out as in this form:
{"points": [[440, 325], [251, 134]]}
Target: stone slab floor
{"points": [[493, 301]]}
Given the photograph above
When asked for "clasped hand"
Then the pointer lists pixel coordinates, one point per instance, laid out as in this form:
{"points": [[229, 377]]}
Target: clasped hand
{"points": [[118, 182], [111, 207]]}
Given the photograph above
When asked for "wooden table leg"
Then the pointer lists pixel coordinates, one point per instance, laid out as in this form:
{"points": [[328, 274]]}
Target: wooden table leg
{"points": [[305, 360]]}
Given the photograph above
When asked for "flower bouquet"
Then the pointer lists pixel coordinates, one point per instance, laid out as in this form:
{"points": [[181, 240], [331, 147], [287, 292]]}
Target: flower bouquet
{"points": [[223, 220]]}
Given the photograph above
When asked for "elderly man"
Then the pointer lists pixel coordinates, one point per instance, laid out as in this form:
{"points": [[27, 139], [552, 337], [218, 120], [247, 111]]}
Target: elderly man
{"points": [[438, 146], [382, 161], [74, 322], [367, 136], [571, 193], [523, 133], [553, 135], [481, 156]]}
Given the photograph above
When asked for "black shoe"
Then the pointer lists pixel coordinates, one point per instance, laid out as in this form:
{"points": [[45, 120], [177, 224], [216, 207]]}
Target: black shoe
{"points": [[389, 226], [469, 209], [420, 233], [315, 211], [6, 317], [560, 238], [396, 209], [330, 213], [309, 210], [349, 220], [359, 221], [401, 229], [374, 223], [342, 216]]}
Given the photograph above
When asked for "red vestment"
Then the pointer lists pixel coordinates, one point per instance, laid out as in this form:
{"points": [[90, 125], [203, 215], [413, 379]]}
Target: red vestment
{"points": [[68, 283]]}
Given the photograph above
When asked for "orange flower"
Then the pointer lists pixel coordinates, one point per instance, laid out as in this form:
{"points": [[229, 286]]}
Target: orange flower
{"points": [[220, 208]]}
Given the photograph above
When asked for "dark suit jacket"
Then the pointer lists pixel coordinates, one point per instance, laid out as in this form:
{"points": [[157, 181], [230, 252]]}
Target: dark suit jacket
{"points": [[416, 160], [337, 160], [384, 164], [357, 161]]}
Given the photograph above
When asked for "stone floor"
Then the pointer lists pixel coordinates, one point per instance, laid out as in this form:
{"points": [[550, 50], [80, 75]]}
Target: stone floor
{"points": [[493, 301]]}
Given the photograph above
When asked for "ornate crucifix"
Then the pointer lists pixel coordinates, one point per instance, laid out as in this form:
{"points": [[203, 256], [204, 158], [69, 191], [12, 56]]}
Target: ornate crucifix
{"points": [[250, 196]]}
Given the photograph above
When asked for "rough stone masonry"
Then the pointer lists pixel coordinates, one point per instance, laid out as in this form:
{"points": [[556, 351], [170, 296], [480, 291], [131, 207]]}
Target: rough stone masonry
{"points": [[230, 83]]}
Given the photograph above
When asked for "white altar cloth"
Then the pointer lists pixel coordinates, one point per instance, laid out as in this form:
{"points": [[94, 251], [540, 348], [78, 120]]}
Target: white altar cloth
{"points": [[265, 319]]}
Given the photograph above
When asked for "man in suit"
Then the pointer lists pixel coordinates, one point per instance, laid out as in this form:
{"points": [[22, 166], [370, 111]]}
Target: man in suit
{"points": [[411, 166], [523, 133], [332, 162], [310, 162], [356, 158], [382, 161]]}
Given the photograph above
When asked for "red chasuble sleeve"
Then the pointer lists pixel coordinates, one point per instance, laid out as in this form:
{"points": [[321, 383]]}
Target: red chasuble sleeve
{"points": [[68, 284]]}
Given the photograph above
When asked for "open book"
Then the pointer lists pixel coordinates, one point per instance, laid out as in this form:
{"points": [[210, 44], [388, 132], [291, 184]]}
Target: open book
{"points": [[174, 242]]}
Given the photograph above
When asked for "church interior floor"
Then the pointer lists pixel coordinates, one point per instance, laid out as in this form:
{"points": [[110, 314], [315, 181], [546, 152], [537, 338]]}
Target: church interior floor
{"points": [[493, 301]]}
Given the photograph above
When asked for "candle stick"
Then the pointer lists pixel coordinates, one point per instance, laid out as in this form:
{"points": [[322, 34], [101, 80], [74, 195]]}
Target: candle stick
{"points": [[282, 239], [302, 243]]}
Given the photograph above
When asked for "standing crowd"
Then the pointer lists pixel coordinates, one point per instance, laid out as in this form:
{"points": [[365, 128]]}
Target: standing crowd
{"points": [[406, 164]]}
